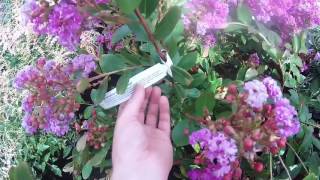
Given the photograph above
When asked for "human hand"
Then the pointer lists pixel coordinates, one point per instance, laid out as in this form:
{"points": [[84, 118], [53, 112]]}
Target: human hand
{"points": [[141, 145]]}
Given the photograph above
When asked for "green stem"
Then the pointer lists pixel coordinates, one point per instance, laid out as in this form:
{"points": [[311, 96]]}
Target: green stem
{"points": [[309, 124], [271, 173], [149, 33], [294, 151], [285, 167], [112, 72]]}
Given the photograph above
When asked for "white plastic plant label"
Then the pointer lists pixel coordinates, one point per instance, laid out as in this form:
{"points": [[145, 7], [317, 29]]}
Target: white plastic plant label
{"points": [[146, 78]]}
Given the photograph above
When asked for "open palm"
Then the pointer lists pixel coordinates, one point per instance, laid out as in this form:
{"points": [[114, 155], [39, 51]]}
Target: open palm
{"points": [[141, 147]]}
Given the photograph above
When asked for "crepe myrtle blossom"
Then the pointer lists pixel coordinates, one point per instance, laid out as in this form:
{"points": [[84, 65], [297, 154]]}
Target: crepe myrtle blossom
{"points": [[203, 17], [219, 150], [286, 16], [51, 103], [256, 93], [65, 22], [273, 89]]}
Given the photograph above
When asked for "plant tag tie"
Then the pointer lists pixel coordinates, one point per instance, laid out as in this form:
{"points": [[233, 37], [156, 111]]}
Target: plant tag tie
{"points": [[146, 78]]}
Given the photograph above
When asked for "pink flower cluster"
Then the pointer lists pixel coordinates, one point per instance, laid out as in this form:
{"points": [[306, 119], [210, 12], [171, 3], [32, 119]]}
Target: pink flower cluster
{"points": [[262, 122], [96, 134], [287, 16], [62, 20], [203, 17], [218, 155], [51, 103]]}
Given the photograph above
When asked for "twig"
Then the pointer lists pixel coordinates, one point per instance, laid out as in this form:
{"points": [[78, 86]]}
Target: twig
{"points": [[150, 35], [271, 173], [110, 73], [285, 167], [294, 151], [195, 118], [309, 124]]}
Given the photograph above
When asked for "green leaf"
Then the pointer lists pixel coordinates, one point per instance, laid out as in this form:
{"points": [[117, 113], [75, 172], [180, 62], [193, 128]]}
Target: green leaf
{"points": [[66, 151], [272, 36], [181, 93], [250, 74], [205, 101], [290, 158], [242, 73], [188, 61], [68, 167], [307, 140], [197, 148], [42, 147], [244, 14], [138, 31], [289, 81], [122, 32], [56, 170], [314, 163], [11, 173], [86, 171], [111, 62], [198, 79], [147, 7], [304, 114], [100, 156], [316, 142], [168, 23], [82, 85], [81, 144], [234, 27], [79, 99], [127, 6], [179, 135], [193, 93], [311, 176], [88, 112], [181, 76], [21, 172], [123, 82], [134, 59], [296, 43], [97, 95]]}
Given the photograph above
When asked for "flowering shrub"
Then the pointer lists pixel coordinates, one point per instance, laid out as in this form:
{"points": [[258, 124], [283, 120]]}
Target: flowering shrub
{"points": [[256, 125], [238, 94], [51, 104]]}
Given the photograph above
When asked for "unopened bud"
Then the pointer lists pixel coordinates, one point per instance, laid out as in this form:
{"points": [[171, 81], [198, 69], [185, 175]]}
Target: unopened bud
{"points": [[282, 142], [232, 89], [248, 144], [258, 166], [186, 131]]}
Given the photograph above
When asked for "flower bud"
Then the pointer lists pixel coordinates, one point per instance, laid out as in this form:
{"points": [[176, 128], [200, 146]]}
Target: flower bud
{"points": [[232, 89], [274, 150], [267, 108], [41, 62], [282, 142], [186, 131], [237, 173], [248, 144], [228, 176], [229, 130], [256, 135], [258, 166], [230, 98]]}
